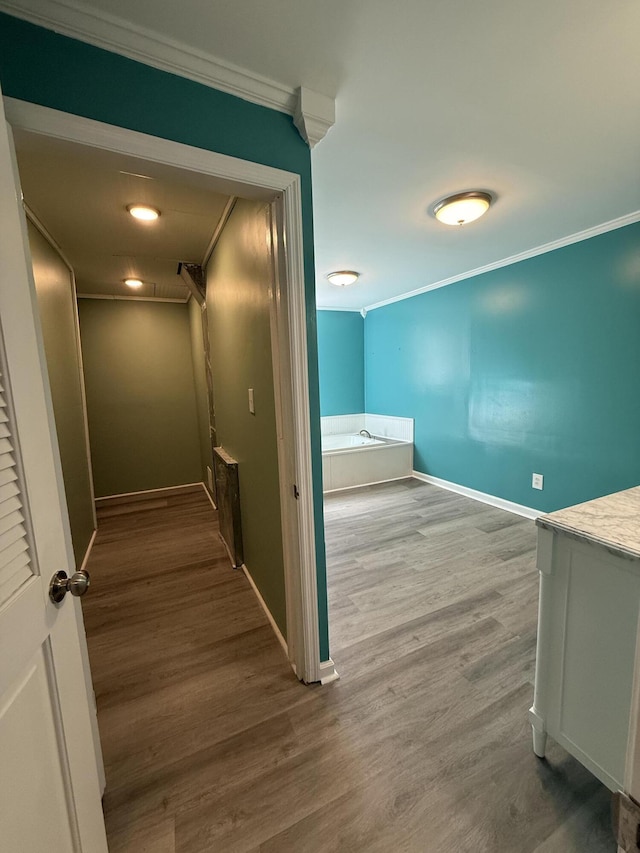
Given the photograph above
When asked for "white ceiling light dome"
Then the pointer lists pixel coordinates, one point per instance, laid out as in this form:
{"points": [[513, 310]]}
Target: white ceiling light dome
{"points": [[135, 283], [343, 278], [144, 212], [462, 208]]}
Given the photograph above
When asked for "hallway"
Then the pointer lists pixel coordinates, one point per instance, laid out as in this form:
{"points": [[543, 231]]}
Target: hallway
{"points": [[423, 746]]}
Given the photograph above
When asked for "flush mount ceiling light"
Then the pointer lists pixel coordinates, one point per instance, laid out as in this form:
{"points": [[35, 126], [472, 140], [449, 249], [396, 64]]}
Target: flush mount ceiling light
{"points": [[462, 208], [133, 282], [343, 278], [143, 212]]}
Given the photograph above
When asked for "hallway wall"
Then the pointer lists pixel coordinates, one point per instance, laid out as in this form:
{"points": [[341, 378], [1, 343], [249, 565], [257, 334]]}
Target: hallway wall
{"points": [[141, 400], [200, 379], [238, 305], [55, 289]]}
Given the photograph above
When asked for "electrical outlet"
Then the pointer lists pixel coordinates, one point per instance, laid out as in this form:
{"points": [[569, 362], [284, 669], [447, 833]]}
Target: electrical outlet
{"points": [[252, 407], [537, 481]]}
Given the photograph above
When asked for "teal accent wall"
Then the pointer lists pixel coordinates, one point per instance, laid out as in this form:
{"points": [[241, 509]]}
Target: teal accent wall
{"points": [[43, 67], [341, 362], [534, 367]]}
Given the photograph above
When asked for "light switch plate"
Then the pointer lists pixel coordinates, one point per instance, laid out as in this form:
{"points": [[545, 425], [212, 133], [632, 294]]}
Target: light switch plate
{"points": [[537, 481], [252, 408]]}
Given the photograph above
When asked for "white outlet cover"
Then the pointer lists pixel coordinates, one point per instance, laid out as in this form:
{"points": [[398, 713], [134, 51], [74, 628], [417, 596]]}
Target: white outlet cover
{"points": [[537, 481], [252, 408]]}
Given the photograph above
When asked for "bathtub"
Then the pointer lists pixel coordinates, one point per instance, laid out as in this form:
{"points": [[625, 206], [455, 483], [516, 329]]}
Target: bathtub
{"points": [[354, 460]]}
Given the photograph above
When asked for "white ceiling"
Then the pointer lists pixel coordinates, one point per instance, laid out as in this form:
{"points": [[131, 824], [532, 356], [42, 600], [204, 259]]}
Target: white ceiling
{"points": [[537, 102], [80, 194]]}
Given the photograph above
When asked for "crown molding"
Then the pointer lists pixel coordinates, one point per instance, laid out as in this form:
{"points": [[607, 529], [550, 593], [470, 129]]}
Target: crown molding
{"points": [[579, 236], [314, 115], [338, 308], [79, 21]]}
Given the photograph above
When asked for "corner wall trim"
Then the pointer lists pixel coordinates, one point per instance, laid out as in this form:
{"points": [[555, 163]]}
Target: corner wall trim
{"points": [[578, 237], [143, 45], [267, 612], [87, 553], [328, 672], [483, 497]]}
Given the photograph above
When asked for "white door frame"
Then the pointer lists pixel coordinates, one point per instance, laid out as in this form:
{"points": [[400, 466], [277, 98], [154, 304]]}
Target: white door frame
{"points": [[252, 180]]}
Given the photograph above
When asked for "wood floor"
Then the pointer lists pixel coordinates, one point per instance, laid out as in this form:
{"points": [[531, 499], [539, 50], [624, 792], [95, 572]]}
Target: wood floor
{"points": [[423, 745]]}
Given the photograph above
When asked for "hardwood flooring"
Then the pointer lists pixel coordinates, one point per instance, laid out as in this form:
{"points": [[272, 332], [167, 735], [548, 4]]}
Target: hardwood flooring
{"points": [[423, 745]]}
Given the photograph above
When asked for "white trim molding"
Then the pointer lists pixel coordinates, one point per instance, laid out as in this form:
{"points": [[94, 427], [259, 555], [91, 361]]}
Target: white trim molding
{"points": [[313, 112], [314, 115], [483, 497], [251, 180], [328, 672], [267, 612], [117, 35], [578, 237]]}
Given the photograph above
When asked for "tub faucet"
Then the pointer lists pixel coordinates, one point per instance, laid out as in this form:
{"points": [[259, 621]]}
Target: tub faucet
{"points": [[365, 432]]}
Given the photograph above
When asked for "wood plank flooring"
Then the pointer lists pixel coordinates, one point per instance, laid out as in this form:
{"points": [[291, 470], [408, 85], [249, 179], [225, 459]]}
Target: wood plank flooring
{"points": [[423, 745]]}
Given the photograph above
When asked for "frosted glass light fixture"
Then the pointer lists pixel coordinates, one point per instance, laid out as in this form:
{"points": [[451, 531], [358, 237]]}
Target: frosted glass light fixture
{"points": [[343, 278], [462, 208], [133, 282], [143, 212]]}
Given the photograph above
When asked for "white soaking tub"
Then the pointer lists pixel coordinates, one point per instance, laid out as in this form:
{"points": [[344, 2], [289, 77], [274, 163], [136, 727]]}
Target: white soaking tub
{"points": [[354, 460]]}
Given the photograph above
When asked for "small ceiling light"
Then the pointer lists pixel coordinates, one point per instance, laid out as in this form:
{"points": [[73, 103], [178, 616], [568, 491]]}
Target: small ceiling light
{"points": [[143, 212], [462, 208], [133, 282], [343, 278]]}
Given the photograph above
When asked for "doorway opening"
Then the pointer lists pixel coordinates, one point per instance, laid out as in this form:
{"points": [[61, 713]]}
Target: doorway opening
{"points": [[279, 194]]}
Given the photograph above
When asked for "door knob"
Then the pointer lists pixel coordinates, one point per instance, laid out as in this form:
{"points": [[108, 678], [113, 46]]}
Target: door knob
{"points": [[60, 585]]}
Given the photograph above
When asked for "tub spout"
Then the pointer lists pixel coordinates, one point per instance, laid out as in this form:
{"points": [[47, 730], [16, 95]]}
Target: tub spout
{"points": [[365, 432]]}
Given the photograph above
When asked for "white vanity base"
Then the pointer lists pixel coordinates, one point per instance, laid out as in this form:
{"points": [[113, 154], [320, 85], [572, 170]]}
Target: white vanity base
{"points": [[587, 627]]}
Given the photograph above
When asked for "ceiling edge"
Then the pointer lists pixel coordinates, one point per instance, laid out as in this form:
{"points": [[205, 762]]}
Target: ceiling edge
{"points": [[119, 36], [338, 308], [620, 222], [118, 298]]}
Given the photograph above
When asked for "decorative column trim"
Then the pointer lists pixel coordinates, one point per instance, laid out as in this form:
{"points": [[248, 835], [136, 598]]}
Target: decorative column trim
{"points": [[314, 115]]}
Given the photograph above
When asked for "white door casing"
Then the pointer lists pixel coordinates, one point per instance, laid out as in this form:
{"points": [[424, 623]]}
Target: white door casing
{"points": [[49, 784], [251, 180]]}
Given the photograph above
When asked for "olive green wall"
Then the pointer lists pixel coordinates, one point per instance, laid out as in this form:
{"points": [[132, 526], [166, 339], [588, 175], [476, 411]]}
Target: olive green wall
{"points": [[238, 285], [141, 399], [58, 317], [200, 379]]}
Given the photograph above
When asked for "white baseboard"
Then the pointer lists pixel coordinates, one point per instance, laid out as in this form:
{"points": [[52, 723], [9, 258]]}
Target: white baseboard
{"points": [[87, 553], [374, 483], [328, 672], [267, 612], [483, 497], [209, 495], [181, 487]]}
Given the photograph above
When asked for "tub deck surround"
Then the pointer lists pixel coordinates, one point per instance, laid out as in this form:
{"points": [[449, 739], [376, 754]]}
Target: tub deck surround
{"points": [[349, 459], [382, 426], [612, 521], [589, 565], [348, 442]]}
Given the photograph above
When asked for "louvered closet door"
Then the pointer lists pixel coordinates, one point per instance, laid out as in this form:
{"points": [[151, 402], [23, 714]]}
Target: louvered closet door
{"points": [[49, 788]]}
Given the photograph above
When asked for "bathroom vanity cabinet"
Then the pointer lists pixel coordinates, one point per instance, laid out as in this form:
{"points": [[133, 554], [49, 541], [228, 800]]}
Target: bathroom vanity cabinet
{"points": [[589, 564]]}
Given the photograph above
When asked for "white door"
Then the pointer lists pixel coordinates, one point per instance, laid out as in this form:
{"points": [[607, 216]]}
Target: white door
{"points": [[49, 784]]}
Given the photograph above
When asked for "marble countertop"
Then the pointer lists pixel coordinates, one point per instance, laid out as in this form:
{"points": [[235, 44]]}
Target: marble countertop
{"points": [[612, 521]]}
